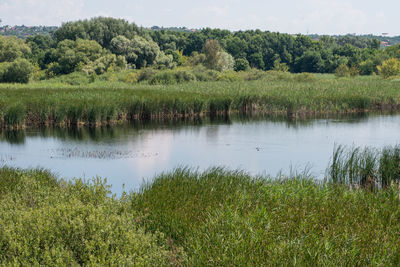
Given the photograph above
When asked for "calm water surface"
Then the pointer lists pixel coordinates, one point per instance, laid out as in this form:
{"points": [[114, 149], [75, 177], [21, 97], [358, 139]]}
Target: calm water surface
{"points": [[131, 154]]}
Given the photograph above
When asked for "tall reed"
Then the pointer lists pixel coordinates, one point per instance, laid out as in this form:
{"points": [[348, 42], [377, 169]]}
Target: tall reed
{"points": [[368, 167]]}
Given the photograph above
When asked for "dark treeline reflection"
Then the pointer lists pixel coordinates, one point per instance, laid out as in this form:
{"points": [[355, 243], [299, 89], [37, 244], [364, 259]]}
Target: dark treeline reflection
{"points": [[109, 133]]}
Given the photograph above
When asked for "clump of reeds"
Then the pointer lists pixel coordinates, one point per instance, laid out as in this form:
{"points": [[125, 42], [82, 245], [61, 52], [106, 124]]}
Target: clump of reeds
{"points": [[365, 167]]}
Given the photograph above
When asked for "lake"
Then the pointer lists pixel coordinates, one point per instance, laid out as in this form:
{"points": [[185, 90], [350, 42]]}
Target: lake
{"points": [[130, 154]]}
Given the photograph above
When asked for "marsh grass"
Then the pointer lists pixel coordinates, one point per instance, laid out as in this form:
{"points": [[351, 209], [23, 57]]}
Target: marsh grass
{"points": [[368, 167], [104, 102], [228, 218]]}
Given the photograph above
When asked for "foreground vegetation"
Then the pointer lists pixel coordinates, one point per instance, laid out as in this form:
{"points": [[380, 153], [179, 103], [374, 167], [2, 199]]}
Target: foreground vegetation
{"points": [[104, 102], [187, 218]]}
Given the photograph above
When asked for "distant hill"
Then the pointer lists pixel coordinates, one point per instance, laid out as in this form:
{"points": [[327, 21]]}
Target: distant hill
{"points": [[25, 31]]}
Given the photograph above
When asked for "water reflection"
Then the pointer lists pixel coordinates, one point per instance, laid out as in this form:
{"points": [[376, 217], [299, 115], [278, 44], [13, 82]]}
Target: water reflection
{"points": [[107, 133]]}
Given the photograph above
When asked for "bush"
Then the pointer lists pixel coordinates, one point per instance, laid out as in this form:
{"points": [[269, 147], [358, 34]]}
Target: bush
{"points": [[342, 71], [146, 74], [390, 67], [230, 76], [18, 71], [241, 64], [278, 66], [204, 74], [254, 74], [130, 77], [172, 77], [50, 223]]}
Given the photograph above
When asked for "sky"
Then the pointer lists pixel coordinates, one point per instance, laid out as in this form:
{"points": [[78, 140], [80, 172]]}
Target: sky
{"points": [[287, 16]]}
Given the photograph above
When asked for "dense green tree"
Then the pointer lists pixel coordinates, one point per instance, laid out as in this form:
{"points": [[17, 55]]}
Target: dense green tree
{"points": [[12, 48], [241, 64], [100, 29], [18, 71], [310, 61], [70, 56], [138, 52]]}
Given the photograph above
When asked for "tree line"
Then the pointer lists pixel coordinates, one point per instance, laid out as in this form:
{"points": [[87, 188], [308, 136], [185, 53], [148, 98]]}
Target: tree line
{"points": [[103, 44]]}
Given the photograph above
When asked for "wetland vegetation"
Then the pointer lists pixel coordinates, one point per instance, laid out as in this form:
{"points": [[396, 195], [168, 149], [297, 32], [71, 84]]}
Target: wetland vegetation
{"points": [[190, 218], [274, 93]]}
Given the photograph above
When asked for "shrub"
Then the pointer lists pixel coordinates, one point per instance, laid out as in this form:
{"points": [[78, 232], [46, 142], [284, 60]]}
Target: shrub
{"points": [[253, 74], [241, 64], [229, 76], [172, 77], [18, 71], [130, 77], [390, 67], [354, 71], [146, 74], [342, 71], [204, 74], [50, 223], [367, 67], [278, 66]]}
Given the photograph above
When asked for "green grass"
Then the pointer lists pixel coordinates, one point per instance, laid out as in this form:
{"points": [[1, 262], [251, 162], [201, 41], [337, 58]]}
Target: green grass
{"points": [[368, 167], [188, 218], [102, 102]]}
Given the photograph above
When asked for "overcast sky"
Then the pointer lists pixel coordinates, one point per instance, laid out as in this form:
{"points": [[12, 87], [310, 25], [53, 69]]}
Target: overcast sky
{"points": [[289, 16]]}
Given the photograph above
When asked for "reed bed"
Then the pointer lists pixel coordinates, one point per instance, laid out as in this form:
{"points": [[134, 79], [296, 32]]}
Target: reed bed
{"points": [[109, 102], [365, 167], [190, 218]]}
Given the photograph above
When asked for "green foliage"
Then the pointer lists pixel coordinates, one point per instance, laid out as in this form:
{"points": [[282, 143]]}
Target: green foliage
{"points": [[229, 76], [138, 51], [172, 77], [390, 67], [131, 77], [216, 49], [278, 66], [100, 29], [105, 63], [12, 48], [241, 64], [18, 71], [342, 71], [304, 77], [216, 58], [310, 61], [70, 56], [50, 222], [212, 51]]}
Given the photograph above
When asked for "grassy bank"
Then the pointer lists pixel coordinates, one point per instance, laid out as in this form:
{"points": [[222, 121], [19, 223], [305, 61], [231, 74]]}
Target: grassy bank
{"points": [[185, 218], [104, 102]]}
